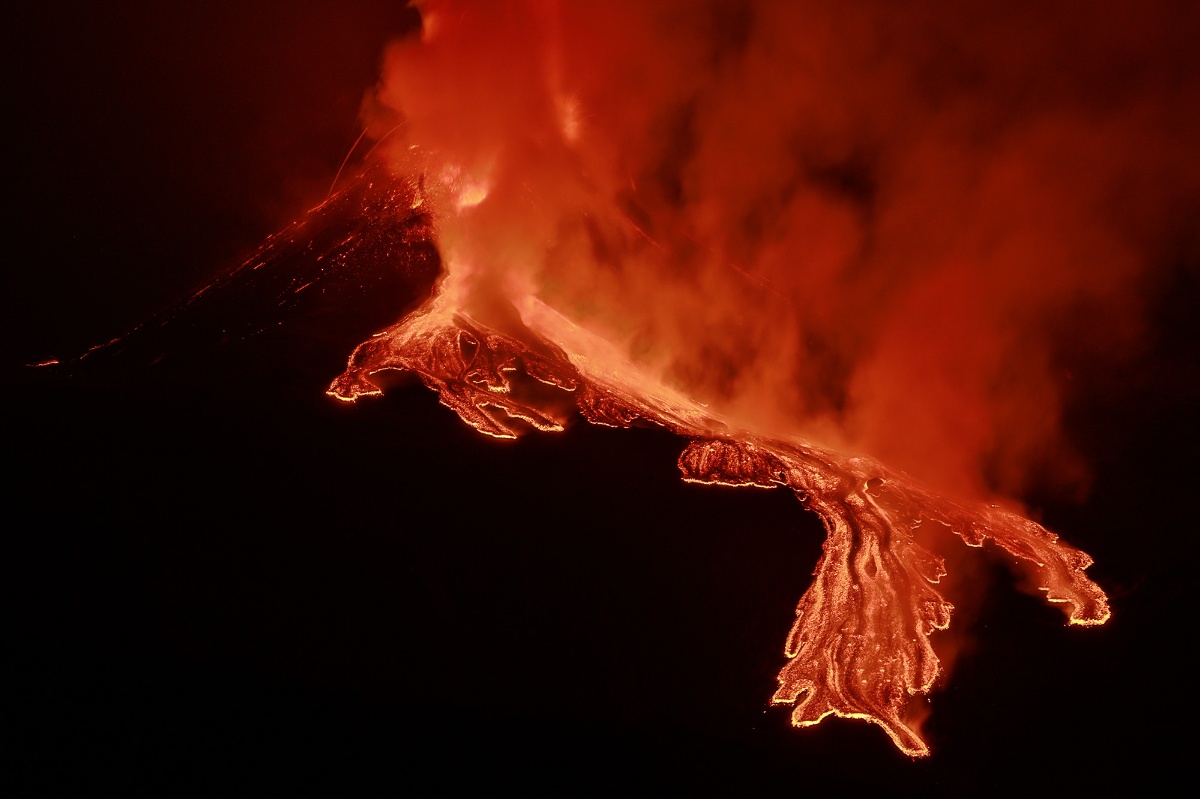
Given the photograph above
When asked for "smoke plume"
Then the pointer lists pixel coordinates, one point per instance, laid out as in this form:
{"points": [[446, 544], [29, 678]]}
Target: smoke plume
{"points": [[885, 227]]}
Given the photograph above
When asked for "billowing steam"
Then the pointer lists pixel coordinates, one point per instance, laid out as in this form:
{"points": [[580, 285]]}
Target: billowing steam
{"points": [[794, 230]]}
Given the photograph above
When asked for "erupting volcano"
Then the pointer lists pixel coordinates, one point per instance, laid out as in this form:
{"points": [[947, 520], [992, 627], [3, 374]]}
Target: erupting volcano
{"points": [[791, 236], [593, 264]]}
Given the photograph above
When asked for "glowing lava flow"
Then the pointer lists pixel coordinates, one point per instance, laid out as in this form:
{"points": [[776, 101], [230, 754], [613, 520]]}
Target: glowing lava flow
{"points": [[859, 647]]}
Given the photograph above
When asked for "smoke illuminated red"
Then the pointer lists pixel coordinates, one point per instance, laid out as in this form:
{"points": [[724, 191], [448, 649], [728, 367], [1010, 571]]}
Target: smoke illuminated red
{"points": [[843, 250], [810, 241]]}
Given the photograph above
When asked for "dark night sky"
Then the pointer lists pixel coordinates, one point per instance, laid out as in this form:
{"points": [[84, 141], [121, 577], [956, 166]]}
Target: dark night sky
{"points": [[220, 573]]}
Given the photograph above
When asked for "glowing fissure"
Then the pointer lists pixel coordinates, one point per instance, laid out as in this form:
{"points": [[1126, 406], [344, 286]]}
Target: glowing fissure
{"points": [[859, 647]]}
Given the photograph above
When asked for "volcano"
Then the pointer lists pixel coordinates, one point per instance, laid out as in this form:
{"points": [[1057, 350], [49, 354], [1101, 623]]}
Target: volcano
{"points": [[244, 482], [859, 647], [227, 571], [874, 603]]}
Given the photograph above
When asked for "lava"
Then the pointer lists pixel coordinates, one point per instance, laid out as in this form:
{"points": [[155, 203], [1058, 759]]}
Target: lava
{"points": [[860, 645], [769, 229], [810, 241]]}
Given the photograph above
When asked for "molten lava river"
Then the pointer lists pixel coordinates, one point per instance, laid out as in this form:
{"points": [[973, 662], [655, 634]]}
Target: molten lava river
{"points": [[859, 647]]}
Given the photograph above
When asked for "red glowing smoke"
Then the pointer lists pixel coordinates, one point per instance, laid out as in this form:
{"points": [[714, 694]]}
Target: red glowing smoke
{"points": [[884, 227]]}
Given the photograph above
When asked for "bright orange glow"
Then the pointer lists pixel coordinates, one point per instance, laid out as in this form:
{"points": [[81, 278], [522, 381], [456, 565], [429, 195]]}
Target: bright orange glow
{"points": [[788, 233], [860, 645]]}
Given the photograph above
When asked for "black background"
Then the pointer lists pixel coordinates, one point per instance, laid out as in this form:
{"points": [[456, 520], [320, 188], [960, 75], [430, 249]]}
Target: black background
{"points": [[223, 578]]}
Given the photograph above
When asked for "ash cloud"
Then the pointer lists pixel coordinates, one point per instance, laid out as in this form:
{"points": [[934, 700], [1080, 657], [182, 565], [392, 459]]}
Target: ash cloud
{"points": [[883, 226]]}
